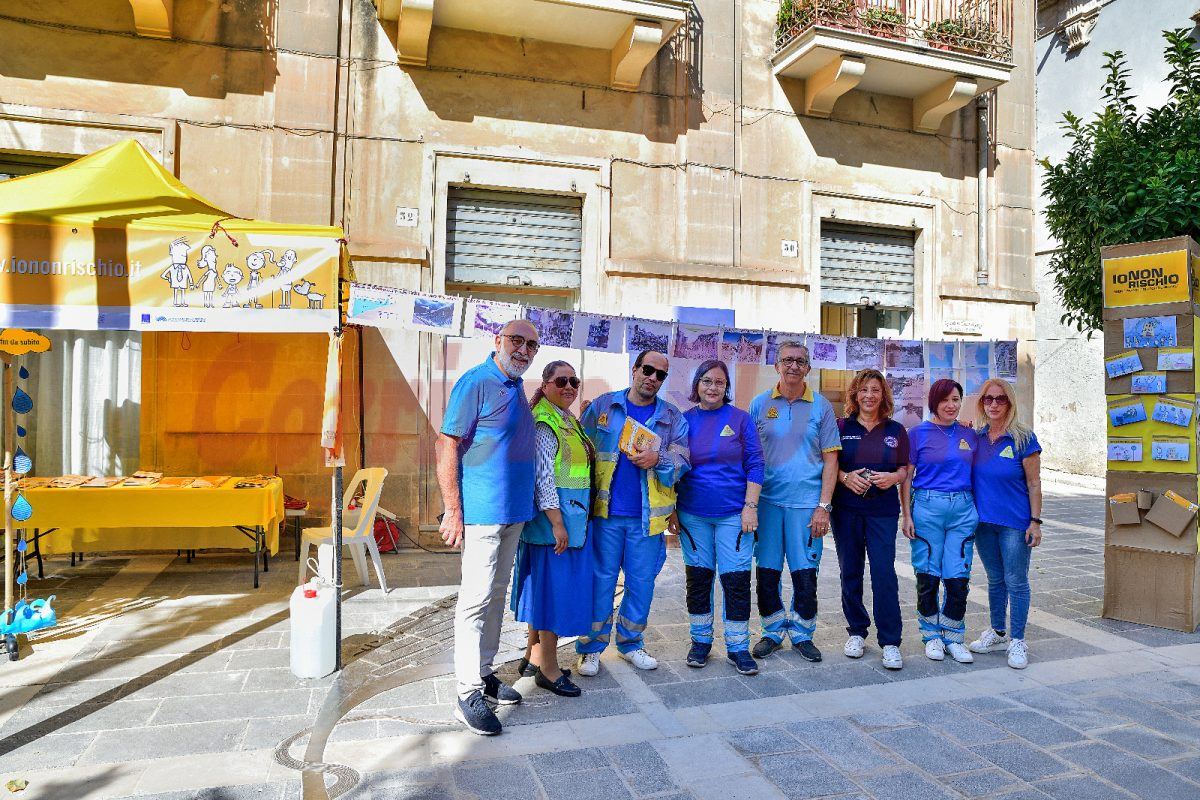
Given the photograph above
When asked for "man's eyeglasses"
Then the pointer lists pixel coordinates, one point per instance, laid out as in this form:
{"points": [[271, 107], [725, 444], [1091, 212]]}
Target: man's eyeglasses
{"points": [[709, 383], [648, 370], [519, 341], [998, 399], [793, 362], [562, 381]]}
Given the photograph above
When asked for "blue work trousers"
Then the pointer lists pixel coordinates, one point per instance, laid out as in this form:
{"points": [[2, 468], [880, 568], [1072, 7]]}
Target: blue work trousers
{"points": [[860, 537], [621, 543], [1005, 555], [941, 554], [785, 533], [716, 546]]}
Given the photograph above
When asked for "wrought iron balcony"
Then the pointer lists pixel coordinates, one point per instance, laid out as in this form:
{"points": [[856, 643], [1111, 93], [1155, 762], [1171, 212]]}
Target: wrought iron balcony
{"points": [[940, 53]]}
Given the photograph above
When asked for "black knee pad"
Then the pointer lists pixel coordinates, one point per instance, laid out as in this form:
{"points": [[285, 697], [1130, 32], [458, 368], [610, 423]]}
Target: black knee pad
{"points": [[768, 591], [956, 597], [804, 592], [927, 594], [699, 590], [736, 586]]}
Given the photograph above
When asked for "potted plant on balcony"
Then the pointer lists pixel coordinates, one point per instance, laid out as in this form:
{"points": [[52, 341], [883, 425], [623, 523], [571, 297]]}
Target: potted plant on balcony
{"points": [[975, 36], [796, 16], [884, 21]]}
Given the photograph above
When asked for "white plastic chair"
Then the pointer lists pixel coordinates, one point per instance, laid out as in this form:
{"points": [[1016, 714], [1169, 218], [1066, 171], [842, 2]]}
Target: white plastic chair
{"points": [[360, 538]]}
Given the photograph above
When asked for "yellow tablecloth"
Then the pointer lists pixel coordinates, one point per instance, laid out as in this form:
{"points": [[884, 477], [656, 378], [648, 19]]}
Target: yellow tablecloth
{"points": [[155, 517]]}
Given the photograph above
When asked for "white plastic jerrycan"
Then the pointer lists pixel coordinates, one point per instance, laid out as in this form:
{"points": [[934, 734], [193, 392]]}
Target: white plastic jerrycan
{"points": [[312, 608]]}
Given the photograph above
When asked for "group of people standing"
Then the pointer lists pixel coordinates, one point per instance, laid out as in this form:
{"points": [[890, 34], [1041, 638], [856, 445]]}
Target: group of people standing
{"points": [[527, 482]]}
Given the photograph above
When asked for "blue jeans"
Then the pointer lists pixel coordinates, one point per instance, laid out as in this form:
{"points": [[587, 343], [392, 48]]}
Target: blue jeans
{"points": [[622, 544], [859, 537], [1005, 556], [942, 554], [716, 546], [785, 533]]}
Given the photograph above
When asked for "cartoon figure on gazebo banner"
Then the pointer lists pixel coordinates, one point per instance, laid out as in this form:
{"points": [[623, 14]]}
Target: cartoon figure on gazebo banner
{"points": [[286, 262], [209, 280], [178, 274], [232, 276], [305, 289], [24, 616], [255, 262]]}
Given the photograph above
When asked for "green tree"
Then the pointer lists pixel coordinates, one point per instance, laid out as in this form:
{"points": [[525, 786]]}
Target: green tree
{"points": [[1127, 177]]}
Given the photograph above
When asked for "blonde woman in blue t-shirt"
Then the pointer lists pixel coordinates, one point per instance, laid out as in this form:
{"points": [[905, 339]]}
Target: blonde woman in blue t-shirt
{"points": [[1008, 494]]}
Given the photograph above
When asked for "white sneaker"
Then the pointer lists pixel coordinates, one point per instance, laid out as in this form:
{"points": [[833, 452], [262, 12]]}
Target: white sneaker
{"points": [[1018, 654], [854, 647], [892, 658], [589, 665], [640, 659], [935, 650], [989, 641], [960, 653]]}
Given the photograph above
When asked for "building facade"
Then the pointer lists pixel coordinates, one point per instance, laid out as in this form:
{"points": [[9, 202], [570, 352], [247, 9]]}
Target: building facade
{"points": [[1072, 39], [841, 166]]}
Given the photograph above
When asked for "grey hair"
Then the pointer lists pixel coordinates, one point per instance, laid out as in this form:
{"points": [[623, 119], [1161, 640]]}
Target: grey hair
{"points": [[792, 343]]}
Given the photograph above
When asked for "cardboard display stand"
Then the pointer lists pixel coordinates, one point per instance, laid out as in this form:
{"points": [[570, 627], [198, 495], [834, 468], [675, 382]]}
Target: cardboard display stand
{"points": [[1151, 552]]}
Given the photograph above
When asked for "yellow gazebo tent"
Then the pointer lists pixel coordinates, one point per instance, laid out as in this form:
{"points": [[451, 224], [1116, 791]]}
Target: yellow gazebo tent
{"points": [[114, 241]]}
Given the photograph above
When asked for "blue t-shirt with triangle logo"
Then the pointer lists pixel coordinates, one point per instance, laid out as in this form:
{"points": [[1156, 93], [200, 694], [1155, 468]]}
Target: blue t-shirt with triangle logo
{"points": [[942, 456], [1001, 493]]}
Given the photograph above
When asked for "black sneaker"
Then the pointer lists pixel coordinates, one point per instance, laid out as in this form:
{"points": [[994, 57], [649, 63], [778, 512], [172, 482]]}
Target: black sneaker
{"points": [[808, 651], [477, 716], [765, 646], [698, 655], [744, 663], [499, 692]]}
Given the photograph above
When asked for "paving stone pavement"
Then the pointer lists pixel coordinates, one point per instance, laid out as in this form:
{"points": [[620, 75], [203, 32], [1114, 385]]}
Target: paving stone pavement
{"points": [[185, 693]]}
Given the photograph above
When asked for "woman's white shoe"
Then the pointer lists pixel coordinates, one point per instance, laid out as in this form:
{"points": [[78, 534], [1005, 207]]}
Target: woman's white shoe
{"points": [[935, 650], [1018, 654]]}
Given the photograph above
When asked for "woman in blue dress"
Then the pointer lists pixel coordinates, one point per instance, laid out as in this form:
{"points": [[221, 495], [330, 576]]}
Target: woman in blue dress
{"points": [[942, 525], [552, 585], [1008, 494]]}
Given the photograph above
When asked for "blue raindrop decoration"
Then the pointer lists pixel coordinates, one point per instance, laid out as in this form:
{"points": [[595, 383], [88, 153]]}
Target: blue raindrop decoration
{"points": [[21, 432], [24, 373], [21, 402], [22, 545], [23, 578], [21, 462], [21, 510]]}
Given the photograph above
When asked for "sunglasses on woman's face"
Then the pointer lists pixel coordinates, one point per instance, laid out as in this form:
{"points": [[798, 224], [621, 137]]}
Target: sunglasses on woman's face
{"points": [[998, 399], [562, 381], [648, 370]]}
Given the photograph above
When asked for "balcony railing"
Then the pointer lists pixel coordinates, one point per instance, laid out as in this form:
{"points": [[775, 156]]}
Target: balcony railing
{"points": [[976, 27]]}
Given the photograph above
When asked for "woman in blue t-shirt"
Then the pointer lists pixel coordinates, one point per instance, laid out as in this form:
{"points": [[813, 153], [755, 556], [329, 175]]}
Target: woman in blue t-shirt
{"points": [[872, 463], [1008, 494], [942, 527], [717, 514]]}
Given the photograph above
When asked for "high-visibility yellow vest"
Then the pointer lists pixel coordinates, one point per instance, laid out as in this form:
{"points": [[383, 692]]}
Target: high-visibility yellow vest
{"points": [[572, 479]]}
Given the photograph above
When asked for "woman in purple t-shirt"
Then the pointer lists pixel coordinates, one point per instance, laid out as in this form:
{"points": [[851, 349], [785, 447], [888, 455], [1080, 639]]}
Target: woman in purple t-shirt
{"points": [[1008, 494]]}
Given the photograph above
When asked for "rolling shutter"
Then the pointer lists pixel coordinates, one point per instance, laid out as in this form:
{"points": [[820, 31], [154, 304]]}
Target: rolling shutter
{"points": [[859, 261], [513, 239]]}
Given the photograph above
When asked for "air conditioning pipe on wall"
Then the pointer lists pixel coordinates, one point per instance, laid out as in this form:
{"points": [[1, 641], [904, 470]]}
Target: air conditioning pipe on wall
{"points": [[981, 268]]}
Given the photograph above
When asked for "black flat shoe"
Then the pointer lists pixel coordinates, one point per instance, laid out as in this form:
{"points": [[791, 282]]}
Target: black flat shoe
{"points": [[561, 687], [528, 670]]}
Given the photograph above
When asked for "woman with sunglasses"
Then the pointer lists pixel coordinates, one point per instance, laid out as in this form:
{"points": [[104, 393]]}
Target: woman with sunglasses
{"points": [[867, 506], [552, 583], [941, 529], [1008, 494], [717, 514]]}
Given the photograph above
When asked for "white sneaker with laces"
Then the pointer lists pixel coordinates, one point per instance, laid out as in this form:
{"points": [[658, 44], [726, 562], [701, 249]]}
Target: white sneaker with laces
{"points": [[589, 665], [989, 641], [960, 653], [1018, 654], [640, 659], [892, 658], [935, 650], [854, 647]]}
